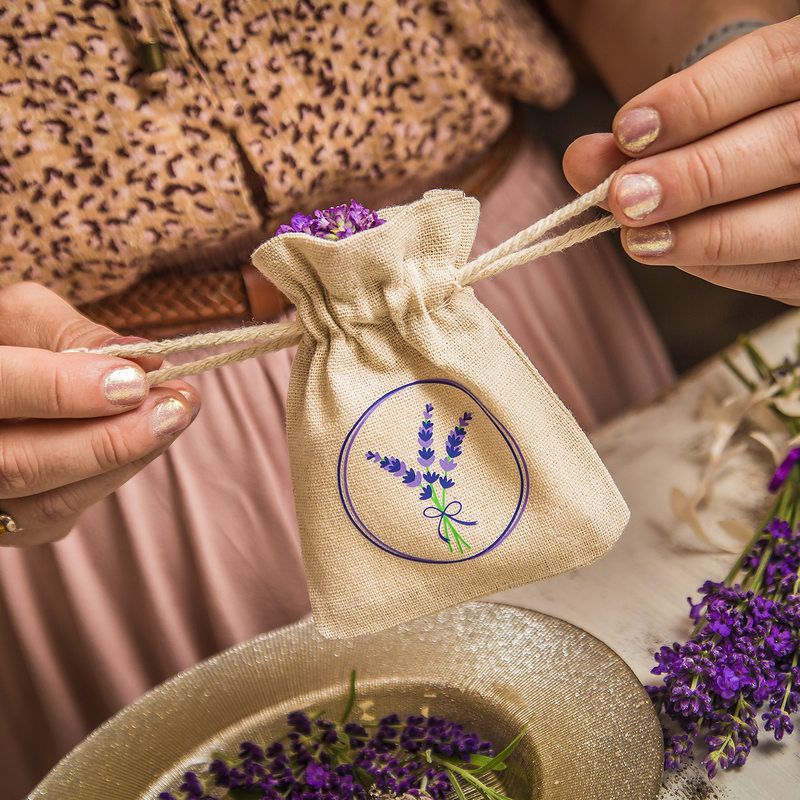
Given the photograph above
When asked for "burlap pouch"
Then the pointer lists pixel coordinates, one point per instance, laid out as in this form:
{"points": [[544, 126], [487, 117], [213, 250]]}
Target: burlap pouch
{"points": [[431, 462]]}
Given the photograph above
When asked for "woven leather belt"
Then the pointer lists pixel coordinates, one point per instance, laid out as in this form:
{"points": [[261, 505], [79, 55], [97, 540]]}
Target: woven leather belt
{"points": [[166, 304]]}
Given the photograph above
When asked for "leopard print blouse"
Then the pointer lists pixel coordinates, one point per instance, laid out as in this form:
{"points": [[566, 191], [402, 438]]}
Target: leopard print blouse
{"points": [[263, 106]]}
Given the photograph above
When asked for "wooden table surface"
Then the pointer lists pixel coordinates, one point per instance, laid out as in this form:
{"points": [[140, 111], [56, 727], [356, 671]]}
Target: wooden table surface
{"points": [[635, 598]]}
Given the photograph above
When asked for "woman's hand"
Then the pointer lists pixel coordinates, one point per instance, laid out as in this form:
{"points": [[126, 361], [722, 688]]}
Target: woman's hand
{"points": [[715, 185], [73, 426]]}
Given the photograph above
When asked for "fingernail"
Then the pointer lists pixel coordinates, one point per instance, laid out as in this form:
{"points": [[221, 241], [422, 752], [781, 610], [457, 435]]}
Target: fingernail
{"points": [[637, 128], [169, 417], [638, 194], [655, 240], [191, 400], [125, 386]]}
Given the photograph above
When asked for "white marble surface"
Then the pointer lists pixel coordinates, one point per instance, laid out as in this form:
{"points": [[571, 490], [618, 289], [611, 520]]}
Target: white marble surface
{"points": [[635, 598]]}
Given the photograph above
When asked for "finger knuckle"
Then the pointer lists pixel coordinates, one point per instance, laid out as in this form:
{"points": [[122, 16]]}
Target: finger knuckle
{"points": [[703, 93], [778, 49], [706, 174], [54, 508], [61, 392], [790, 144], [18, 471], [719, 239], [784, 280], [110, 448], [75, 331]]}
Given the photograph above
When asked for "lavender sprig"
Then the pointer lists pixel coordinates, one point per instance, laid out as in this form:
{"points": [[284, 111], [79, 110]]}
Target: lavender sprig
{"points": [[446, 513], [420, 757], [394, 466], [334, 223], [426, 455], [453, 449], [740, 664]]}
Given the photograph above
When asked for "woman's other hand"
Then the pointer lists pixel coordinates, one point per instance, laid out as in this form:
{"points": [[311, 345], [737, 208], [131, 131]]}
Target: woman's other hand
{"points": [[714, 187], [73, 426]]}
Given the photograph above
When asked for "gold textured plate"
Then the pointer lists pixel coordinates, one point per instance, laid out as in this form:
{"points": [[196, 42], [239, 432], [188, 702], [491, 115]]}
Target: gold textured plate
{"points": [[592, 735]]}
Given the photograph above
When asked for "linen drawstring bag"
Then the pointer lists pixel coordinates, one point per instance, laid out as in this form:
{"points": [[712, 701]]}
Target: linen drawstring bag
{"points": [[431, 463]]}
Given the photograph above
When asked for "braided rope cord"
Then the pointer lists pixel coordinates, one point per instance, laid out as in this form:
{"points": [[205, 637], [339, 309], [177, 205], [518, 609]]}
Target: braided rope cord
{"points": [[525, 246]]}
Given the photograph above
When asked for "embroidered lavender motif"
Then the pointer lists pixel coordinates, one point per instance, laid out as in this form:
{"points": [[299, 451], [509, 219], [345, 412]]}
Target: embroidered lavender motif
{"points": [[446, 512]]}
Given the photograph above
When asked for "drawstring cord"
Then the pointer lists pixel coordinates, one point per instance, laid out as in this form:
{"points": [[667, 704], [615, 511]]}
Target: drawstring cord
{"points": [[527, 245]]}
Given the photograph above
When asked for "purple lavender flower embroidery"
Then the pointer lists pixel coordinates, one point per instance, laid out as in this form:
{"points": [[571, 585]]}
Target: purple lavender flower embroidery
{"points": [[447, 513], [334, 223]]}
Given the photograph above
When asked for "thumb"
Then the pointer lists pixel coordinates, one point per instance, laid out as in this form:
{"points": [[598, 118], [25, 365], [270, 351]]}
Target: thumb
{"points": [[32, 316], [589, 160]]}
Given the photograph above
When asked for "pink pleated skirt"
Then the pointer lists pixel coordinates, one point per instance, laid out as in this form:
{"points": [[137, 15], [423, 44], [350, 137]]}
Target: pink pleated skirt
{"points": [[200, 550]]}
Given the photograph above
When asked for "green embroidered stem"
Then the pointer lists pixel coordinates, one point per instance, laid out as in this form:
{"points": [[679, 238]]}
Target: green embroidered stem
{"points": [[440, 506], [450, 528]]}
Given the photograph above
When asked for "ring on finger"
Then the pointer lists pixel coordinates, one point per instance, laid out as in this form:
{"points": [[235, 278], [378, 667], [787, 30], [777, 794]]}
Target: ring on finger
{"points": [[8, 524]]}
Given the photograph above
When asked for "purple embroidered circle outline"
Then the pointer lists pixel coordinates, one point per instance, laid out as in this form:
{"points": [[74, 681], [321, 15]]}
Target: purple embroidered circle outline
{"points": [[352, 514]]}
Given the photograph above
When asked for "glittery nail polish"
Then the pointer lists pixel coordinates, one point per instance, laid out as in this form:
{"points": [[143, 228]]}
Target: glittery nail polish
{"points": [[654, 240], [637, 128], [191, 400], [169, 417], [638, 194], [125, 386]]}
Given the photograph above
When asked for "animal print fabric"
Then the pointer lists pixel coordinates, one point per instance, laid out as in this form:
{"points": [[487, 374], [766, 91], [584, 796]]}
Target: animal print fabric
{"points": [[263, 108]]}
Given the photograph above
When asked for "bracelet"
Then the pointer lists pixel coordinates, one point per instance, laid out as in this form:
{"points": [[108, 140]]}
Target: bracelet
{"points": [[719, 37]]}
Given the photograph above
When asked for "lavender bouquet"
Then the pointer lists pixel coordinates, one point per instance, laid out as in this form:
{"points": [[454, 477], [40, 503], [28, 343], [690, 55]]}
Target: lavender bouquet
{"points": [[421, 757], [446, 512], [739, 669]]}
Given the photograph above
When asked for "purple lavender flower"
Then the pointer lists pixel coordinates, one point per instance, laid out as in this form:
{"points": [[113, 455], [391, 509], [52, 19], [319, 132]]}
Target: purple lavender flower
{"points": [[783, 470], [777, 721], [743, 653], [323, 760], [334, 223], [316, 775], [779, 528], [191, 786], [299, 722]]}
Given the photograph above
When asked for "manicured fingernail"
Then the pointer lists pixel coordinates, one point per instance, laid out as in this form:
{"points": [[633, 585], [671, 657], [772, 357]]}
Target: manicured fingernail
{"points": [[169, 417], [191, 400], [638, 194], [637, 128], [654, 240], [125, 386]]}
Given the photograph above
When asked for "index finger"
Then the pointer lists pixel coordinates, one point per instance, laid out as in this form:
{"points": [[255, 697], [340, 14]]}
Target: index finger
{"points": [[40, 384], [753, 73]]}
